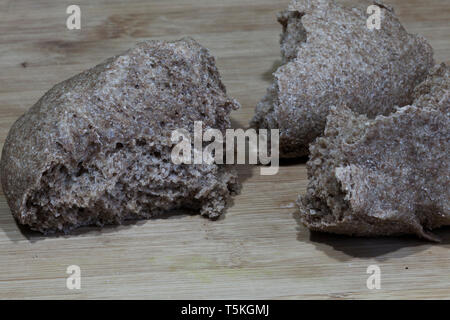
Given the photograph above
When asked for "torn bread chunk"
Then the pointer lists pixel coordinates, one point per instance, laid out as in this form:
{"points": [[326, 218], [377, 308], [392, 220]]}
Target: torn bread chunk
{"points": [[384, 176], [96, 148], [331, 57]]}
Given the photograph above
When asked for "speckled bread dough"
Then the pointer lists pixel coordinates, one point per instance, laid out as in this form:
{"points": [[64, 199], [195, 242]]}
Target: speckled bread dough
{"points": [[96, 148], [386, 176], [330, 57], [434, 92]]}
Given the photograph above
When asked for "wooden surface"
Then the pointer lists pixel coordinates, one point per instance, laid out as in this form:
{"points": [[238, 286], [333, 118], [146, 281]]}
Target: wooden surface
{"points": [[258, 249]]}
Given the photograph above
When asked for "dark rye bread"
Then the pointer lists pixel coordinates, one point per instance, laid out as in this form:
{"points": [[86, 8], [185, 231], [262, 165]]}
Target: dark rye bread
{"points": [[386, 176], [330, 57], [96, 148]]}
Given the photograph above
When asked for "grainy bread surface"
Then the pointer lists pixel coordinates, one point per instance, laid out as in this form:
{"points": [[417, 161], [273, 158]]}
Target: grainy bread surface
{"points": [[385, 176], [434, 92], [330, 57], [95, 149]]}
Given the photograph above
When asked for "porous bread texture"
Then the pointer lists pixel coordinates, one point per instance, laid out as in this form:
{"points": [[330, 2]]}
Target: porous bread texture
{"points": [[96, 148], [384, 176], [434, 92], [330, 57]]}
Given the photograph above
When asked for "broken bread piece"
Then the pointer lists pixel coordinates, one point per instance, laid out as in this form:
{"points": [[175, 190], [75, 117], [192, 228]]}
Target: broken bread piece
{"points": [[330, 57], [385, 176], [96, 148]]}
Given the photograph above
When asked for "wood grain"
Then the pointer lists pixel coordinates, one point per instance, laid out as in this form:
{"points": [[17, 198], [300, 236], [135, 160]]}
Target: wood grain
{"points": [[258, 249]]}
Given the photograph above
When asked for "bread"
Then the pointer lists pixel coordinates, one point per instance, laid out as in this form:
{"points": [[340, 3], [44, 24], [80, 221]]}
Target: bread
{"points": [[383, 176], [330, 57], [96, 148], [434, 92]]}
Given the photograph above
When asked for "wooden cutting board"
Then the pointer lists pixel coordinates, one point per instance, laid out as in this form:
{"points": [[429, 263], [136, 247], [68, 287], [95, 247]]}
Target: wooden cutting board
{"points": [[258, 249]]}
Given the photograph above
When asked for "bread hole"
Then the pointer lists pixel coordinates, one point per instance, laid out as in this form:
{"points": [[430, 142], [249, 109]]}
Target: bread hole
{"points": [[63, 169], [141, 142], [119, 146]]}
